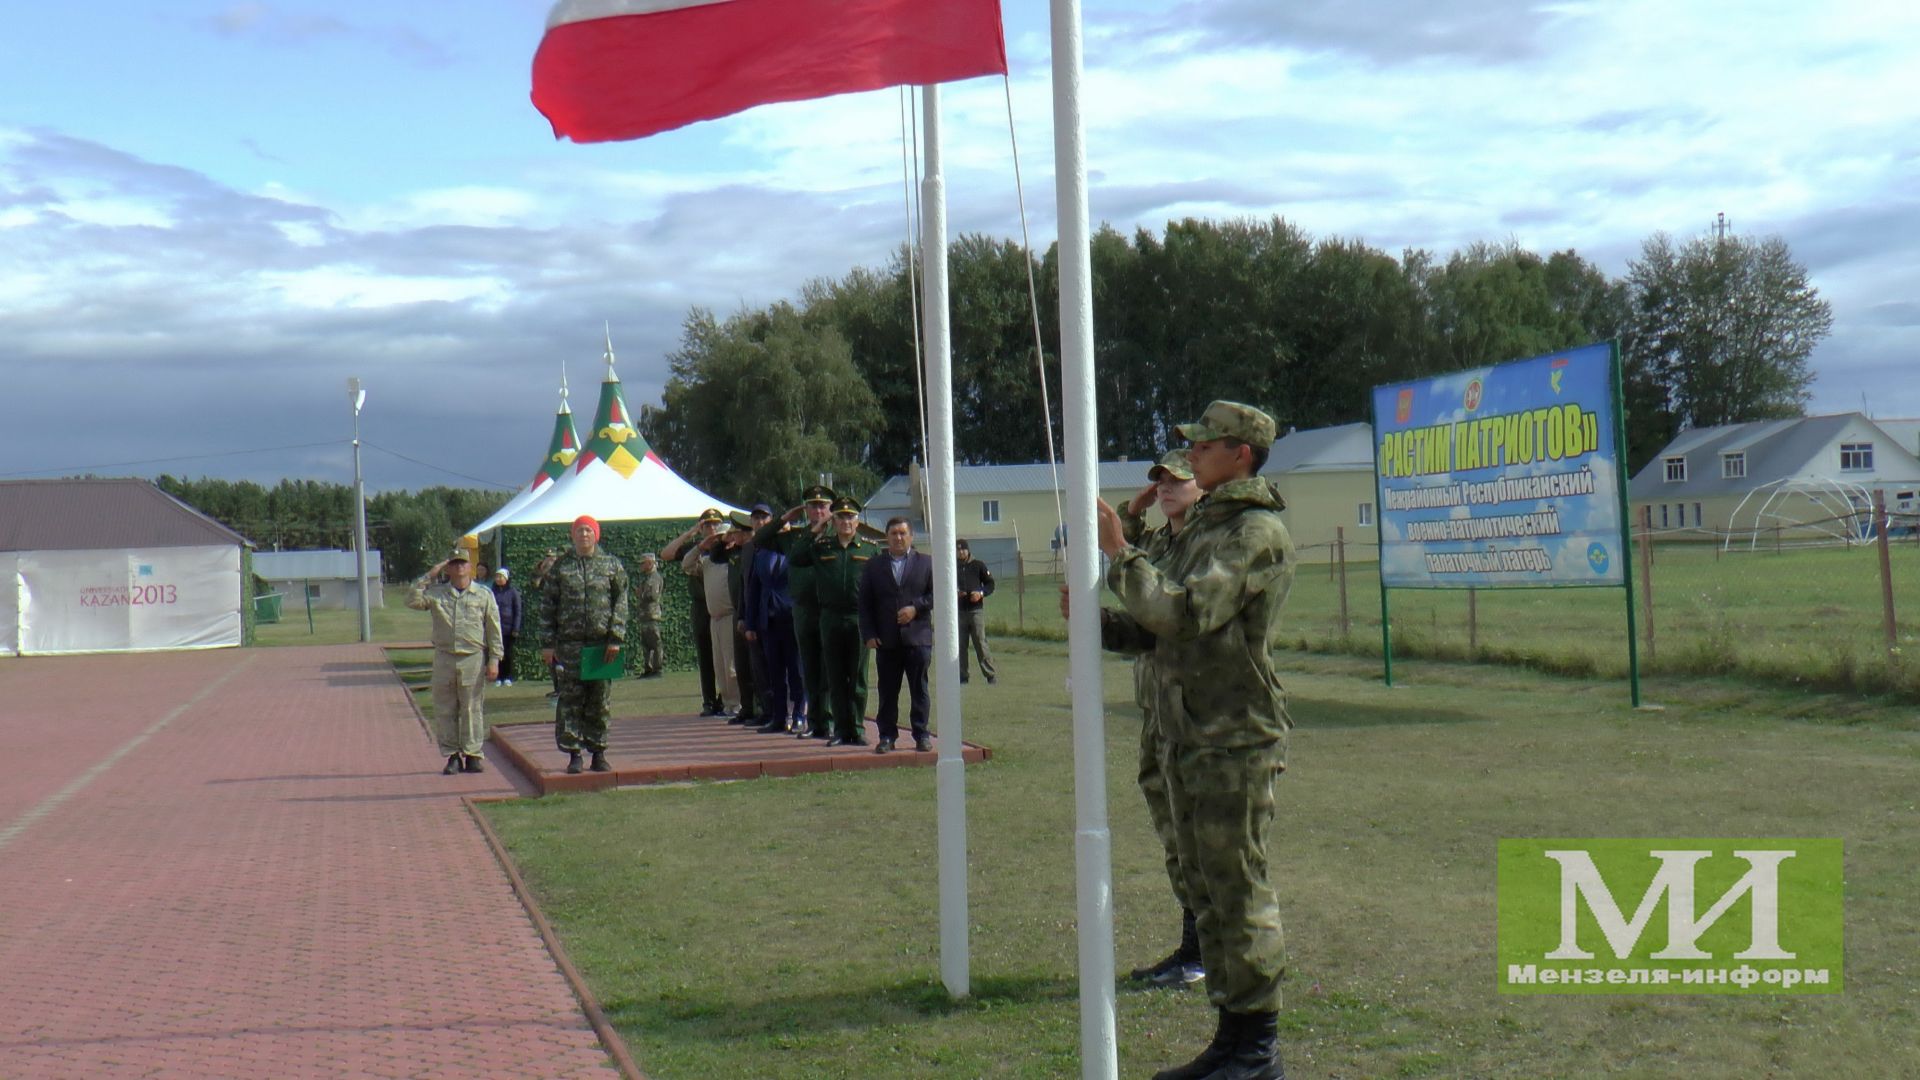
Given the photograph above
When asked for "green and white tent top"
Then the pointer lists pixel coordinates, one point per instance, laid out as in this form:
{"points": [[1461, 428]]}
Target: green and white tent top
{"points": [[562, 450], [615, 477]]}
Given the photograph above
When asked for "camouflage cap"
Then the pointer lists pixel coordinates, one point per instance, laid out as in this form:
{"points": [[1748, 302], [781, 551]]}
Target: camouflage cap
{"points": [[846, 504], [459, 555], [1173, 463], [711, 514], [818, 493], [1231, 420]]}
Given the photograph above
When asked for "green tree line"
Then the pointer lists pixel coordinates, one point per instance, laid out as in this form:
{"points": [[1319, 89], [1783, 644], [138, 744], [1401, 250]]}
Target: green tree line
{"points": [[411, 529], [759, 403]]}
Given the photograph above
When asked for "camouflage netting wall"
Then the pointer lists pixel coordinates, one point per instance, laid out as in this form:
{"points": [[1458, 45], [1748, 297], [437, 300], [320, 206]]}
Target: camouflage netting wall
{"points": [[522, 548]]}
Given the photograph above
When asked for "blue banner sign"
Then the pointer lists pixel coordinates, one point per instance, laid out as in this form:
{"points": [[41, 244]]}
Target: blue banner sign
{"points": [[1503, 477]]}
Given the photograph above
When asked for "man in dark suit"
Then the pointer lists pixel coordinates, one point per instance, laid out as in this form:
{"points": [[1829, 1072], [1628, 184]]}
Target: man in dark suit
{"points": [[896, 602]]}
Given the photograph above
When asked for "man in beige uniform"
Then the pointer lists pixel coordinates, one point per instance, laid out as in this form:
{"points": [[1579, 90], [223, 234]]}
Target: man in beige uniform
{"points": [[466, 656]]}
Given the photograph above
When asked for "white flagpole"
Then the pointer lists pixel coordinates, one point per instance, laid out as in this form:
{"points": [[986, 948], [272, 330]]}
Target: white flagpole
{"points": [[950, 773], [1093, 847]]}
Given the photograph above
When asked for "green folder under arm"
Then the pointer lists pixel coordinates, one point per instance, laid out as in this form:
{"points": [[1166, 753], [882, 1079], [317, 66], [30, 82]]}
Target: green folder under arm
{"points": [[595, 667]]}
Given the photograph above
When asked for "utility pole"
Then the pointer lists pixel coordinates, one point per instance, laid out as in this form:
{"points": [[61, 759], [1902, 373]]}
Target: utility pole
{"points": [[358, 396]]}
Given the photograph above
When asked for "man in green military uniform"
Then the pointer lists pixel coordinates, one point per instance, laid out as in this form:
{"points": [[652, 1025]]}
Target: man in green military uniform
{"points": [[1170, 486], [1209, 612], [837, 561], [797, 544], [585, 606], [648, 588], [467, 648]]}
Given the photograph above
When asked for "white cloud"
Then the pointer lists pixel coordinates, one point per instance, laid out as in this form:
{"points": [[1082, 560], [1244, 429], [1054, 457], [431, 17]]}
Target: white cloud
{"points": [[352, 287]]}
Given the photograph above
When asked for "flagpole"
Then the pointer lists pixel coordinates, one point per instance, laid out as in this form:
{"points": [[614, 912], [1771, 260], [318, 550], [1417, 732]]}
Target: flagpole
{"points": [[1093, 848], [950, 774]]}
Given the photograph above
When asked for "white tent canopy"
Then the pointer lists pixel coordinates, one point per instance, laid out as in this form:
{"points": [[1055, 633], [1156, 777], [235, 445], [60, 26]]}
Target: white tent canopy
{"points": [[616, 477]]}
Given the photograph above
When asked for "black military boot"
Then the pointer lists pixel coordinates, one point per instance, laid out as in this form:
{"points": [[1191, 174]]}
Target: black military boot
{"points": [[1225, 1036], [1256, 1049], [1181, 967], [573, 762], [453, 765], [600, 762]]}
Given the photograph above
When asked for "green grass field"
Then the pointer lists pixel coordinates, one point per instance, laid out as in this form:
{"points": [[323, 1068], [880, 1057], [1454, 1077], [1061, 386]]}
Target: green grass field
{"points": [[787, 928], [1808, 617]]}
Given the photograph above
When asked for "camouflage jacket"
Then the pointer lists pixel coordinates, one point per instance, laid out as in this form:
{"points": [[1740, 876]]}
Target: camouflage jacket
{"points": [[464, 623], [647, 589], [1156, 543], [1209, 612], [584, 600], [836, 572]]}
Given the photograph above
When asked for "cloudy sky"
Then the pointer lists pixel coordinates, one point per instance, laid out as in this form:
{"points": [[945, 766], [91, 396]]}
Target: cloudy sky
{"points": [[213, 213]]}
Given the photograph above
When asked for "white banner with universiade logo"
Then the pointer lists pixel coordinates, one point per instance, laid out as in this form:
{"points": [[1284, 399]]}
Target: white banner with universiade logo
{"points": [[136, 600]]}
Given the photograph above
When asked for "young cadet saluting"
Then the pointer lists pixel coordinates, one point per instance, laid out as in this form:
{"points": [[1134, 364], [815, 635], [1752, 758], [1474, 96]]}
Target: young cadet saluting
{"points": [[1170, 485], [1209, 611]]}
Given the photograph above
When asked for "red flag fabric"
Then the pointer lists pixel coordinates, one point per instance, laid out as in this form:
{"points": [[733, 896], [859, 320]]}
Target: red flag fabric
{"points": [[623, 69]]}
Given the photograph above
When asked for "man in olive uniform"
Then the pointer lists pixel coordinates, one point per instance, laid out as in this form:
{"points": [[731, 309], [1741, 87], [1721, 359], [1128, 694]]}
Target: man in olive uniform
{"points": [[838, 561], [1169, 485], [1209, 611], [467, 648], [585, 606], [647, 590], [797, 545]]}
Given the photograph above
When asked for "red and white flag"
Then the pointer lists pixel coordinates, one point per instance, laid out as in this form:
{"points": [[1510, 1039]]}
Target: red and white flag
{"points": [[623, 69]]}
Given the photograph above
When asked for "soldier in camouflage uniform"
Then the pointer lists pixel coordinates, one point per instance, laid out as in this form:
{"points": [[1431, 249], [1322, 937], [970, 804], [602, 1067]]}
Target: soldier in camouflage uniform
{"points": [[797, 545], [584, 605], [1170, 486], [647, 590], [838, 560], [1209, 611]]}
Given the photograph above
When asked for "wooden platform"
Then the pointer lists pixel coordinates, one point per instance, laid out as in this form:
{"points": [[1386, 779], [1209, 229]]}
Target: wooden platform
{"points": [[665, 749]]}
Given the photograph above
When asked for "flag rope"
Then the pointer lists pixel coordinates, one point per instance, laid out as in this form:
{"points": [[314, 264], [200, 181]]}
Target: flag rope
{"points": [[1033, 301], [910, 182]]}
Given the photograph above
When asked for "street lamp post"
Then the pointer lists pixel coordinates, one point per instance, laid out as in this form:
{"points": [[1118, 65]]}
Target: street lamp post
{"points": [[358, 397]]}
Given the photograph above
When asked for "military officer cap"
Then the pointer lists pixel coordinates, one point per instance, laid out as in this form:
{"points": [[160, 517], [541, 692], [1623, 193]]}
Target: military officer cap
{"points": [[818, 493], [459, 555], [741, 521], [1231, 420], [846, 504], [711, 514], [1173, 463]]}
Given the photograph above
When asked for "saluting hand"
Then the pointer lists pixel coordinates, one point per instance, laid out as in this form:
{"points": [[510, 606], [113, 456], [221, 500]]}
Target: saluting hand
{"points": [[1140, 502], [1113, 540]]}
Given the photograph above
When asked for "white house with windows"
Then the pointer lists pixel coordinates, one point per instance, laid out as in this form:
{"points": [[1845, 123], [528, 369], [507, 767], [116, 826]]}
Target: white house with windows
{"points": [[1325, 474], [323, 579], [1798, 479]]}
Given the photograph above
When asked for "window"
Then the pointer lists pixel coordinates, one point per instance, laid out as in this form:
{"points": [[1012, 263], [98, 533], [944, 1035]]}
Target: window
{"points": [[1733, 466], [1366, 513], [1676, 470], [990, 511], [313, 592], [1663, 515], [1856, 456], [1698, 521]]}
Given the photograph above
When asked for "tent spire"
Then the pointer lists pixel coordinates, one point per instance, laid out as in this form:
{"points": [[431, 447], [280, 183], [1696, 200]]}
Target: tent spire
{"points": [[564, 407], [611, 377]]}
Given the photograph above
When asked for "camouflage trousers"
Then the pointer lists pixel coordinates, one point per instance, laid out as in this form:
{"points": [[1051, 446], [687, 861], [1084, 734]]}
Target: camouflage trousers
{"points": [[654, 659], [459, 695], [1153, 785], [1221, 801], [580, 719]]}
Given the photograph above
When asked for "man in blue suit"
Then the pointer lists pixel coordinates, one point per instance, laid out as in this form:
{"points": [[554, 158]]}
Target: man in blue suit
{"points": [[896, 602]]}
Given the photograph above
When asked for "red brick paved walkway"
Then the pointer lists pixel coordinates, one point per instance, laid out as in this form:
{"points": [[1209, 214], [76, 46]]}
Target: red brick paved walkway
{"points": [[244, 863]]}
